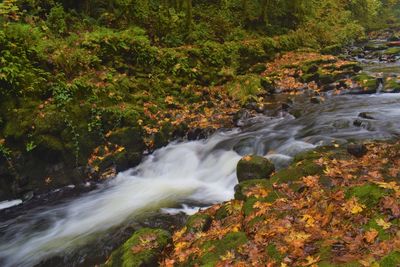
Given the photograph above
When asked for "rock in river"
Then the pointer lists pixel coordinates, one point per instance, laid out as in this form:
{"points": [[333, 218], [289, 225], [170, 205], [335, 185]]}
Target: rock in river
{"points": [[254, 167]]}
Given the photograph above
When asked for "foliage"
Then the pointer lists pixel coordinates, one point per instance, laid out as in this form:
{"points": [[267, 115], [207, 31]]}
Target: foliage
{"points": [[344, 215]]}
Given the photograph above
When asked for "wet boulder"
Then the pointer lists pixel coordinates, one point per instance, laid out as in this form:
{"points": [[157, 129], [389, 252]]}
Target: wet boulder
{"points": [[241, 116], [357, 150], [142, 249], [254, 167], [366, 115]]}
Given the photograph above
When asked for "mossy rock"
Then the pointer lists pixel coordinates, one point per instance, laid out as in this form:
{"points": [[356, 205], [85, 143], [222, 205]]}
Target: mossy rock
{"points": [[326, 78], [254, 167], [366, 81], [331, 50], [351, 66], [392, 51], [368, 194], [198, 223], [309, 68], [248, 205], [243, 188], [213, 250], [296, 171], [128, 137], [375, 47], [142, 249], [392, 86], [308, 155], [306, 78]]}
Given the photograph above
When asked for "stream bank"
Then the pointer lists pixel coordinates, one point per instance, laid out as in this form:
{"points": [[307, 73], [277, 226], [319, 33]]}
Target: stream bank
{"points": [[196, 173]]}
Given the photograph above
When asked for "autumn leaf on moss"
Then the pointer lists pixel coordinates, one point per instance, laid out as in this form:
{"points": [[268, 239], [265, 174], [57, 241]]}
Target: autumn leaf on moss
{"points": [[381, 222], [371, 235], [353, 206], [311, 261]]}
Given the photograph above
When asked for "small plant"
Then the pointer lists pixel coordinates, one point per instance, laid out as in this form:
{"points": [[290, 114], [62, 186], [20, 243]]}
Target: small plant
{"points": [[4, 151], [30, 146]]}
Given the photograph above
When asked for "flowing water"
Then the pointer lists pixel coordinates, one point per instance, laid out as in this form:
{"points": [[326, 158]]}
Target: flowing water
{"points": [[200, 172]]}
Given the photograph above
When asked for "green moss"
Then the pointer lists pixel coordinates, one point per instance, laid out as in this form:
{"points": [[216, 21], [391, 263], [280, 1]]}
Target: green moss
{"points": [[248, 205], [242, 188], [375, 47], [213, 250], [366, 80], [296, 171], [332, 49], [255, 220], [393, 51], [368, 194], [309, 77], [142, 249], [326, 78], [325, 253], [372, 224], [198, 223], [392, 85], [308, 155], [254, 167], [273, 253], [391, 260], [221, 213], [244, 87]]}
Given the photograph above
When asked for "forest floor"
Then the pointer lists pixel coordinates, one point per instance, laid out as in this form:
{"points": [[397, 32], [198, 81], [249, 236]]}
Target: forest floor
{"points": [[345, 211]]}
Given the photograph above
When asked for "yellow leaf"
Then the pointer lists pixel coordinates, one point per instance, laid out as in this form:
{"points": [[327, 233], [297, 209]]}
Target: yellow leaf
{"points": [[311, 260], [247, 158], [354, 206], [228, 256], [120, 149], [385, 225], [391, 185], [309, 220]]}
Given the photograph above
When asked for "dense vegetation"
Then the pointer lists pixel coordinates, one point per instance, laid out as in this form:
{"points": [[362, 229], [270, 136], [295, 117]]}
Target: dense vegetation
{"points": [[94, 83]]}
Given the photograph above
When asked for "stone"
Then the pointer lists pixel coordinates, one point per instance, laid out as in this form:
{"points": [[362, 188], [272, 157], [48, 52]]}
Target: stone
{"points": [[357, 150], [366, 115], [142, 249], [241, 115], [316, 100], [254, 167]]}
